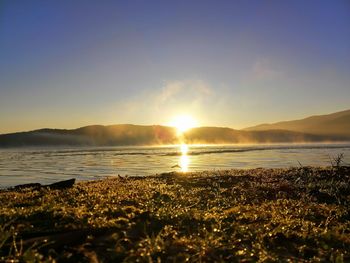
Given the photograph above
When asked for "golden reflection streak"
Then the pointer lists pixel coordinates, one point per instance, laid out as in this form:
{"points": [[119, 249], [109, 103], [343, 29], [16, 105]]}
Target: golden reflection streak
{"points": [[184, 159]]}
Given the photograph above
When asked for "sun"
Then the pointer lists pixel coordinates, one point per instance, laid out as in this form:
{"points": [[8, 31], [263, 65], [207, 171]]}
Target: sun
{"points": [[183, 123]]}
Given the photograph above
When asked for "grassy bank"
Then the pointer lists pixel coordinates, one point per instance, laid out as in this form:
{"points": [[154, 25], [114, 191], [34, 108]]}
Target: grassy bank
{"points": [[298, 214]]}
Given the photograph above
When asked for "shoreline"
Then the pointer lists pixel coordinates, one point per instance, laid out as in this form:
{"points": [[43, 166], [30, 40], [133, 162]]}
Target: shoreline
{"points": [[300, 213], [51, 165]]}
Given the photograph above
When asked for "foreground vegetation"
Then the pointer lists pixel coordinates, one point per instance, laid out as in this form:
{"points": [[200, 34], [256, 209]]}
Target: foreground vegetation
{"points": [[260, 215]]}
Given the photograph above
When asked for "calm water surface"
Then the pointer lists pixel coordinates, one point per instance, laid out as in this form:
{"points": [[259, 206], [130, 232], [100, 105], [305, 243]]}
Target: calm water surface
{"points": [[47, 165]]}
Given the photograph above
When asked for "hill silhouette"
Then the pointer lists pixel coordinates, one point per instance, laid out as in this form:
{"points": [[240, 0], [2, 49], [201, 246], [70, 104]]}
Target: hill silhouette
{"points": [[218, 135], [128, 134], [94, 135], [323, 128], [335, 125]]}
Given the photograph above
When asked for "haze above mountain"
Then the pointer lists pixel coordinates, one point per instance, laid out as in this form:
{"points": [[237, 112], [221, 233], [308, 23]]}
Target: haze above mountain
{"points": [[333, 127]]}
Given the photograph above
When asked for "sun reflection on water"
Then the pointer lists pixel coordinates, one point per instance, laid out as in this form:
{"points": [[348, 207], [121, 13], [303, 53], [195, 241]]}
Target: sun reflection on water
{"points": [[184, 149], [184, 159]]}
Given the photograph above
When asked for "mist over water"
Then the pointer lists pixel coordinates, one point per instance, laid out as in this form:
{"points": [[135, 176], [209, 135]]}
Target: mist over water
{"points": [[47, 165]]}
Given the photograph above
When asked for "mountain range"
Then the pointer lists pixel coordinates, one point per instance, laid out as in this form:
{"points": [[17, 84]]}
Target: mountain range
{"points": [[335, 124], [333, 127]]}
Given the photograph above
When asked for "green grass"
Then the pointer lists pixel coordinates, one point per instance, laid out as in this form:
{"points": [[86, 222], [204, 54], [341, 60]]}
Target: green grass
{"points": [[260, 215]]}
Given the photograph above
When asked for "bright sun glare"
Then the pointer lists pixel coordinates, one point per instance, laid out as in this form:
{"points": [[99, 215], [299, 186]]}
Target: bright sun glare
{"points": [[183, 123]]}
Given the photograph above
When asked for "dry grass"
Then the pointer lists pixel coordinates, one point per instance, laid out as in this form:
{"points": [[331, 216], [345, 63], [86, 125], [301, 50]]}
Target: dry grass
{"points": [[261, 215]]}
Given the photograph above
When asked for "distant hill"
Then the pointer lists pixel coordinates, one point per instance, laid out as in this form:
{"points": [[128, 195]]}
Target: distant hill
{"points": [[126, 134], [95, 135], [335, 125], [331, 127], [218, 135]]}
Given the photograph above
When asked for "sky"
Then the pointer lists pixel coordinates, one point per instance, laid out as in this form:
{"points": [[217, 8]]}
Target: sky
{"points": [[66, 64]]}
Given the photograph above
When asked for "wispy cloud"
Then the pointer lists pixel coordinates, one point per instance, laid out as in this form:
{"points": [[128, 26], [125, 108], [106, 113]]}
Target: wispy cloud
{"points": [[174, 97], [264, 69], [188, 91]]}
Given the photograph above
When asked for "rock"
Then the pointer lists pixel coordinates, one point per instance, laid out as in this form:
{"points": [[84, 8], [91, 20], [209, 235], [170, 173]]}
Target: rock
{"points": [[58, 185], [62, 184], [24, 186]]}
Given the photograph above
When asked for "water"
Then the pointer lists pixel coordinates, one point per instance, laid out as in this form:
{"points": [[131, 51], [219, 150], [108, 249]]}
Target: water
{"points": [[47, 165]]}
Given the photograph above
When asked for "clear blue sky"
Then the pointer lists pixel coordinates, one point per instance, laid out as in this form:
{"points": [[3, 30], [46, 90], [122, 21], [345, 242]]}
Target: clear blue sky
{"points": [[66, 63]]}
